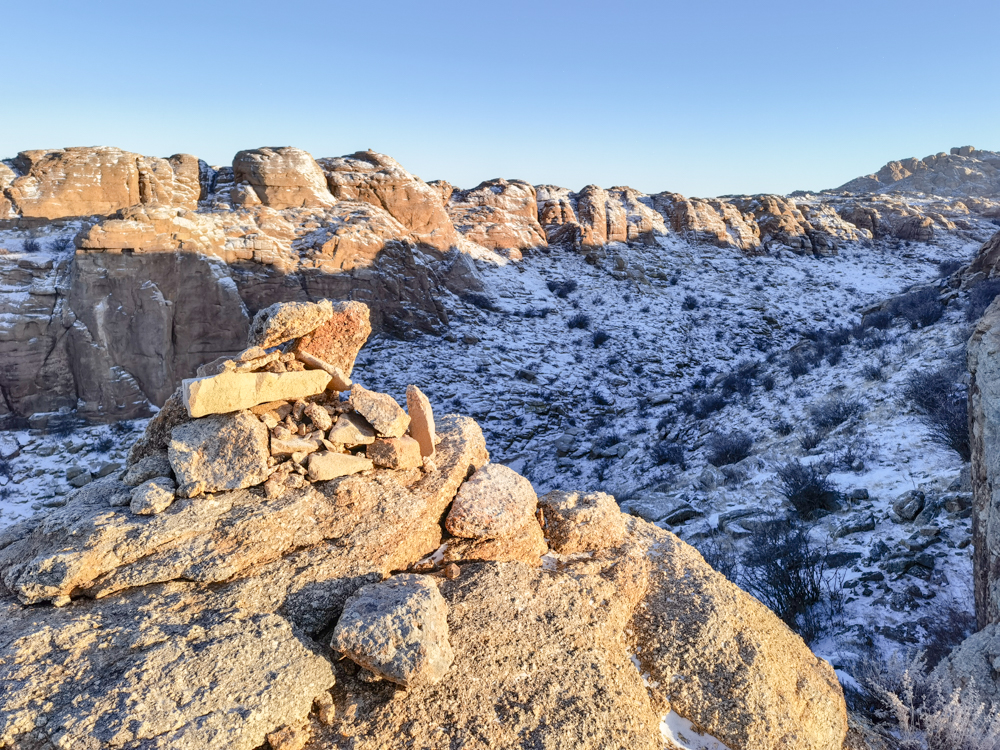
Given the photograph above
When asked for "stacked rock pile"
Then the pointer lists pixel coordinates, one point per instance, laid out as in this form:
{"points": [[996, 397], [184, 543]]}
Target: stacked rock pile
{"points": [[282, 413]]}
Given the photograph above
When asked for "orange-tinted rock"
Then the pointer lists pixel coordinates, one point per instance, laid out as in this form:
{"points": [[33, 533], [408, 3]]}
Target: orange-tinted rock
{"points": [[338, 340], [284, 177]]}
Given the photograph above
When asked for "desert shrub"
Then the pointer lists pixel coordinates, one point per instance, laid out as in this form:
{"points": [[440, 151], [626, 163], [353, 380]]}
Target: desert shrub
{"points": [[122, 428], [840, 336], [720, 552], [729, 447], [810, 439], [921, 308], [608, 439], [874, 338], [536, 312], [872, 372], [32, 245], [709, 404], [797, 366], [480, 300], [785, 572], [737, 382], [783, 427], [6, 470], [63, 244], [767, 382], [580, 320], [104, 444], [807, 487], [948, 267], [880, 320], [562, 289], [941, 399], [599, 337], [834, 356], [852, 454], [669, 453], [946, 629], [916, 712], [980, 297], [835, 411], [601, 398], [690, 302], [63, 426]]}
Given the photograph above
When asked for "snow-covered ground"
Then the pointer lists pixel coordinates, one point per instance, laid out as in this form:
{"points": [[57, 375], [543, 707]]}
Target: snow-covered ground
{"points": [[655, 329]]}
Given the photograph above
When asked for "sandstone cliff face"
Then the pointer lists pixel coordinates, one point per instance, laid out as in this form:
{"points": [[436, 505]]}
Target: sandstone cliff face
{"points": [[102, 332], [379, 180], [984, 419]]}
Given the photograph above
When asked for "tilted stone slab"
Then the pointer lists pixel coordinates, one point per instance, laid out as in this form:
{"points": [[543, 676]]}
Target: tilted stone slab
{"points": [[233, 391]]}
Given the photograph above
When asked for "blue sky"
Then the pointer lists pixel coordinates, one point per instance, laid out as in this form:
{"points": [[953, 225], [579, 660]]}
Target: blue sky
{"points": [[701, 98]]}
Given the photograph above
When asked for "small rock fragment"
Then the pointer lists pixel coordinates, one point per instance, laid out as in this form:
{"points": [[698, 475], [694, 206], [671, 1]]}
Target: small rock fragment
{"points": [[381, 411], [351, 430], [326, 465], [398, 629], [288, 738], [395, 453], [325, 709], [908, 505], [293, 445], [319, 416], [152, 497], [154, 465], [284, 321], [495, 502], [452, 571], [339, 381], [421, 419]]}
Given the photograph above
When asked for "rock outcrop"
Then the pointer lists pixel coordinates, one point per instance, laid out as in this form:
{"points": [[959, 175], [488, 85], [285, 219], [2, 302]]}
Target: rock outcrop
{"points": [[263, 590], [280, 178], [965, 171]]}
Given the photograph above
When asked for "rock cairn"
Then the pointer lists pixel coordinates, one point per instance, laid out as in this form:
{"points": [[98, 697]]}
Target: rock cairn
{"points": [[282, 413], [293, 559]]}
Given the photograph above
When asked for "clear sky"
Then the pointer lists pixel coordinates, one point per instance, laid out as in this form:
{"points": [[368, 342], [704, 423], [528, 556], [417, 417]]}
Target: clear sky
{"points": [[702, 98]]}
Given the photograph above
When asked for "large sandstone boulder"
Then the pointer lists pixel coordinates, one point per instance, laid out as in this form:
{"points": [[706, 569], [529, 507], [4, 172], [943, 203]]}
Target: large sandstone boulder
{"points": [[224, 452], [79, 181], [162, 668], [397, 629], [377, 179], [283, 177], [498, 214], [339, 339]]}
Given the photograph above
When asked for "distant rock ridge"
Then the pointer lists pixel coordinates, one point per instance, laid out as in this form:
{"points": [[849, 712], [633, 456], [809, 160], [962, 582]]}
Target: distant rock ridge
{"points": [[152, 267], [964, 172]]}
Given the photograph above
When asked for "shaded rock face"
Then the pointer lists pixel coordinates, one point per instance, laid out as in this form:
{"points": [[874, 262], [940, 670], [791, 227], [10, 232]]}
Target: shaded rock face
{"points": [[984, 437]]}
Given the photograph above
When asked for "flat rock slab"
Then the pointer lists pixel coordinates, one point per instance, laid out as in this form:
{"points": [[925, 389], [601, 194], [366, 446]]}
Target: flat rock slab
{"points": [[578, 522], [397, 629], [339, 339], [152, 497], [495, 502], [153, 668], [233, 391], [224, 452], [327, 465], [396, 453], [284, 321], [421, 420], [381, 411]]}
